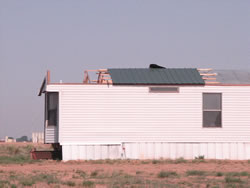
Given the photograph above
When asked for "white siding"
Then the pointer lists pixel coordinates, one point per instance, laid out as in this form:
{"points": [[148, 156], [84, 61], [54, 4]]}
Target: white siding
{"points": [[108, 114], [51, 134]]}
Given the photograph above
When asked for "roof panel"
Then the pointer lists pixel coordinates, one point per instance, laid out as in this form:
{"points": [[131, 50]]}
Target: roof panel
{"points": [[151, 76], [233, 76]]}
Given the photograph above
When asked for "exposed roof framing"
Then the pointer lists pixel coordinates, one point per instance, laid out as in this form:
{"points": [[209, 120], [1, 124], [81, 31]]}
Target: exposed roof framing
{"points": [[103, 77], [208, 76]]}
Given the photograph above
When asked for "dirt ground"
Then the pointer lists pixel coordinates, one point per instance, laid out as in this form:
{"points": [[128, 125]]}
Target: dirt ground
{"points": [[125, 173]]}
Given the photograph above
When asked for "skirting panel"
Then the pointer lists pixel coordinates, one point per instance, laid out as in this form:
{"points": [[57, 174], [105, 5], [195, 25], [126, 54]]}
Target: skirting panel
{"points": [[157, 150]]}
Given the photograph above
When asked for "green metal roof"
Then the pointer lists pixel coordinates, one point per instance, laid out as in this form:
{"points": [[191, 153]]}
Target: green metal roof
{"points": [[156, 76]]}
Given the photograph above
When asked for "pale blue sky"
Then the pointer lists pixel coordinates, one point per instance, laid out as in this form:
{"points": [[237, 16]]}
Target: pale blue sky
{"points": [[68, 37]]}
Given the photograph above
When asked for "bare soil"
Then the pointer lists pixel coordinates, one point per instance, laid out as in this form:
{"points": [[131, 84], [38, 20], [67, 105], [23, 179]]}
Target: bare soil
{"points": [[126, 173]]}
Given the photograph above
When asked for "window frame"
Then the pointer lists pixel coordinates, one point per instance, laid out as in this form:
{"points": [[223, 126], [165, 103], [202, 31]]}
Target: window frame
{"points": [[177, 89], [212, 110], [49, 110]]}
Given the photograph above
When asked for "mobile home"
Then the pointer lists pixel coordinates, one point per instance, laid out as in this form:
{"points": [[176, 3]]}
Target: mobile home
{"points": [[150, 113]]}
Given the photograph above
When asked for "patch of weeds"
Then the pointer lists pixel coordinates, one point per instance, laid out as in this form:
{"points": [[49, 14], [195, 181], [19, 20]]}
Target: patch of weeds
{"points": [[145, 162], [118, 161], [35, 171], [156, 183], [219, 174], [230, 179], [156, 161], [100, 182], [30, 180], [48, 178], [27, 181], [180, 160], [97, 161], [109, 161], [94, 173], [16, 159], [12, 150], [198, 161], [138, 172], [69, 183], [116, 174], [186, 183], [81, 173], [166, 174], [216, 186], [125, 180], [98, 174], [170, 161], [13, 175], [4, 183], [65, 173], [28, 148], [88, 183], [201, 157], [244, 173], [195, 173], [75, 177], [13, 186]]}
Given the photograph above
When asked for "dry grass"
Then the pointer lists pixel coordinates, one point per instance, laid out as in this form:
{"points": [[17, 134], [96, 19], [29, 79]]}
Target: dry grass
{"points": [[23, 172], [191, 178], [18, 153]]}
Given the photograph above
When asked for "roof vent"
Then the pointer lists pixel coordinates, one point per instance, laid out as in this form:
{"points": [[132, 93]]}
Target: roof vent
{"points": [[155, 66]]}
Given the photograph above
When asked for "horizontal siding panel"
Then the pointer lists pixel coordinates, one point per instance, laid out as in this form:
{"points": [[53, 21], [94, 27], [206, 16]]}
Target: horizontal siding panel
{"points": [[51, 134], [100, 113]]}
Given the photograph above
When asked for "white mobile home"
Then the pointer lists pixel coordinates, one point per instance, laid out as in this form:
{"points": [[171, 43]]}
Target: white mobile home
{"points": [[150, 113]]}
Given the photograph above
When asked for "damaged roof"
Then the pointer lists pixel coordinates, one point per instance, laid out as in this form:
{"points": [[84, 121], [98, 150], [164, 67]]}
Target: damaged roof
{"points": [[233, 76], [156, 76]]}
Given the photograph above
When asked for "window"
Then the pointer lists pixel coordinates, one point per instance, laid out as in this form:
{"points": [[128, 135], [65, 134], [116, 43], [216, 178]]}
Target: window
{"points": [[212, 108], [163, 89], [52, 108]]}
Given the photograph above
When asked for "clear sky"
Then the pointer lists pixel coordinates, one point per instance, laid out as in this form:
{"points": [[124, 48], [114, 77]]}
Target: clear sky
{"points": [[68, 37]]}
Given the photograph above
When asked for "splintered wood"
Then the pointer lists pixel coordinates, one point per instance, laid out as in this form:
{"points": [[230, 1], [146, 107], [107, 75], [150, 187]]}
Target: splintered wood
{"points": [[103, 77], [208, 76]]}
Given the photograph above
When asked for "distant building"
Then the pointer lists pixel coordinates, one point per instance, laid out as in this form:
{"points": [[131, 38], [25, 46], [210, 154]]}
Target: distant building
{"points": [[9, 139], [38, 137]]}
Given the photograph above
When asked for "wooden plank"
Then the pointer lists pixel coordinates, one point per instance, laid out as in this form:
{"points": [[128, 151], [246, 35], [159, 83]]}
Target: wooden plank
{"points": [[208, 78], [102, 70], [48, 77], [208, 69], [208, 74]]}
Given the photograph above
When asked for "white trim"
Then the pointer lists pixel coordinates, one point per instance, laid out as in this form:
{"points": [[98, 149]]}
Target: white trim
{"points": [[60, 116]]}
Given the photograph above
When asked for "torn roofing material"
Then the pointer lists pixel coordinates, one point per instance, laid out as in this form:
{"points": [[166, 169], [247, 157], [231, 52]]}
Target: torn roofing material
{"points": [[150, 76], [233, 76]]}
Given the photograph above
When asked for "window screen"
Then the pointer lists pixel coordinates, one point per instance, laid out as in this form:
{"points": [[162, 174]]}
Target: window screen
{"points": [[52, 108], [212, 110], [164, 89]]}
